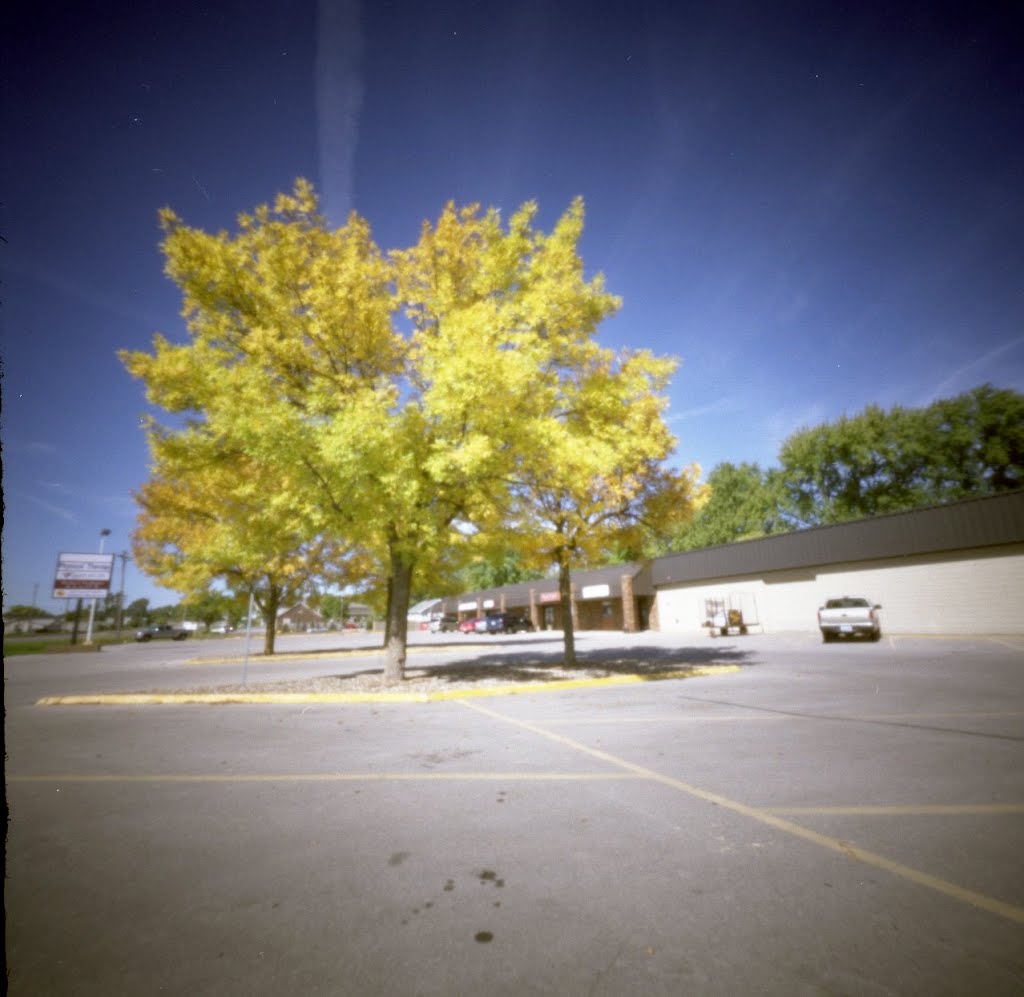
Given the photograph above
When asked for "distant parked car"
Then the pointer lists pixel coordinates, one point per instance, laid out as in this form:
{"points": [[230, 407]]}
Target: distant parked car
{"points": [[505, 623], [221, 628], [161, 631], [468, 626], [444, 624], [849, 616]]}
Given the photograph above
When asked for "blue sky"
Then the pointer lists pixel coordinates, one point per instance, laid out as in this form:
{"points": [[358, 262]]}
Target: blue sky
{"points": [[814, 206]]}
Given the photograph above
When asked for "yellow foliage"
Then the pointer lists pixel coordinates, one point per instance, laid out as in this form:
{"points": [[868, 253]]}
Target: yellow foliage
{"points": [[335, 391]]}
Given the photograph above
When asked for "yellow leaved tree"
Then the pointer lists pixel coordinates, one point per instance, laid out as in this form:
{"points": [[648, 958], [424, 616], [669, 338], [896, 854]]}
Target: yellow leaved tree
{"points": [[209, 515], [596, 483], [389, 397]]}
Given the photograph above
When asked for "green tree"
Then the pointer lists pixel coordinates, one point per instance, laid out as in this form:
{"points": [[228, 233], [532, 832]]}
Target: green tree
{"points": [[859, 465], [741, 502], [881, 461], [138, 612], [333, 607], [22, 612], [493, 568], [209, 607], [166, 614], [976, 443]]}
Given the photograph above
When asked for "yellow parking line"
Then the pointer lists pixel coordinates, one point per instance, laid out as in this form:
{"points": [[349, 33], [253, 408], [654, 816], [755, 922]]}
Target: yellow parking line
{"points": [[1006, 643], [838, 845], [332, 777], [754, 717], [995, 715], [673, 719], [912, 810]]}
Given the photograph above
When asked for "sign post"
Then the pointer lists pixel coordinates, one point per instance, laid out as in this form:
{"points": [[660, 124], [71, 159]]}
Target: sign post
{"points": [[83, 576]]}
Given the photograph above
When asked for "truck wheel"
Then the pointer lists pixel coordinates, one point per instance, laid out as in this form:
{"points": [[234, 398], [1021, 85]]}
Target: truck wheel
{"points": [[826, 637]]}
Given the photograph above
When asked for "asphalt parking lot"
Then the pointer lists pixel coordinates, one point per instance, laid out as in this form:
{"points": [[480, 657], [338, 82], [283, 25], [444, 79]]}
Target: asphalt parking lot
{"points": [[841, 819]]}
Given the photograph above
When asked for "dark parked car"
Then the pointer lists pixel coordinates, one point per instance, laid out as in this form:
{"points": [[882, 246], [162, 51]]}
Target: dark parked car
{"points": [[162, 631], [444, 624], [506, 623]]}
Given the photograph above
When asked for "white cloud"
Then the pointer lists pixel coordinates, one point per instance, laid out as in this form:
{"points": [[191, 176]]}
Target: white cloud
{"points": [[973, 372], [769, 433], [55, 510], [728, 403], [339, 101], [30, 447]]}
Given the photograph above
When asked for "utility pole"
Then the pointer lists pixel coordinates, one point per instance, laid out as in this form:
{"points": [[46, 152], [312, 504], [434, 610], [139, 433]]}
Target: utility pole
{"points": [[120, 595]]}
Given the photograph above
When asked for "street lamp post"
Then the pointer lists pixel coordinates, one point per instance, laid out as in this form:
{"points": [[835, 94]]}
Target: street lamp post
{"points": [[92, 608], [120, 595]]}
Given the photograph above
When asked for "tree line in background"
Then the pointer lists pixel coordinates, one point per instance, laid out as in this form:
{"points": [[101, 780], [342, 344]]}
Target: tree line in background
{"points": [[207, 608], [875, 462], [871, 463], [340, 414]]}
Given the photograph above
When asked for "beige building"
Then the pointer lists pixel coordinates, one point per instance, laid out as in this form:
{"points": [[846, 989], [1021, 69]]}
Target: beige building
{"points": [[952, 569]]}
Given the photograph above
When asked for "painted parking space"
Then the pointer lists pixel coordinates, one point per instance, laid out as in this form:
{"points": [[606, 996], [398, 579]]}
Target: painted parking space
{"points": [[773, 818], [763, 828]]}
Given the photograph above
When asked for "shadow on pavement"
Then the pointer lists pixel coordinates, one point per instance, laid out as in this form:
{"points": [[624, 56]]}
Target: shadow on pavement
{"points": [[531, 666]]}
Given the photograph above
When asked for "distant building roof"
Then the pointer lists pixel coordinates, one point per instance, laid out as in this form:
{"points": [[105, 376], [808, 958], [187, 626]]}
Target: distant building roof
{"points": [[988, 521], [424, 608], [300, 612]]}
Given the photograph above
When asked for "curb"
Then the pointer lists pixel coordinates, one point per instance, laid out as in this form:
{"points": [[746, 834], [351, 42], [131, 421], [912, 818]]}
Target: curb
{"points": [[284, 657], [293, 698]]}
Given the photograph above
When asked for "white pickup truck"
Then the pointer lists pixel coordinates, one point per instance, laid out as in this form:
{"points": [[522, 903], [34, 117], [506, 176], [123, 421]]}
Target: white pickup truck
{"points": [[849, 616]]}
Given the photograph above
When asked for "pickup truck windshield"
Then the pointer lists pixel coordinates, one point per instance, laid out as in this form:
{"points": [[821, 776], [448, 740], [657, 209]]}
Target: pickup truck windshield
{"points": [[846, 603]]}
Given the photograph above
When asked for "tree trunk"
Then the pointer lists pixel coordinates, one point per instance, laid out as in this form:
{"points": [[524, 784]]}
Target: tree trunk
{"points": [[269, 608], [387, 613], [399, 591], [565, 597]]}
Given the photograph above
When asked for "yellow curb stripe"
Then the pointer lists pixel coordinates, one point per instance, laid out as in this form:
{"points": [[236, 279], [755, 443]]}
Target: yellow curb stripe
{"points": [[910, 810], [292, 698], [838, 845]]}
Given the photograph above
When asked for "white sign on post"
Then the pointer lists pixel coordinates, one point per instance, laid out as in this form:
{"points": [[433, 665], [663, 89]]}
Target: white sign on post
{"points": [[83, 576]]}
